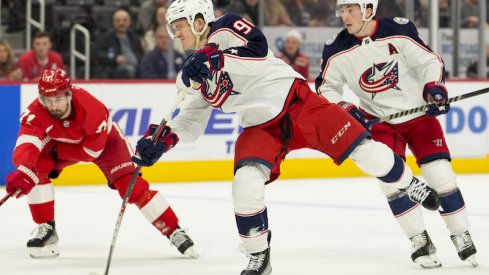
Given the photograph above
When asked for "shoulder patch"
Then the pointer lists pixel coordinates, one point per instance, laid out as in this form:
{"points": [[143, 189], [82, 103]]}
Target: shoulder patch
{"points": [[331, 40], [401, 20]]}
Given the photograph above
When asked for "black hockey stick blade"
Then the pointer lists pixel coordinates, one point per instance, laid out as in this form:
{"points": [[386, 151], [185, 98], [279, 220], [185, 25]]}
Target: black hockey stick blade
{"points": [[423, 108]]}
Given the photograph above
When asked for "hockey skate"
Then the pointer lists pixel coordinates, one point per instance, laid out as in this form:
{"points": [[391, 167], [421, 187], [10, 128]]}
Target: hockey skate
{"points": [[259, 262], [45, 242], [182, 241], [418, 191], [424, 251], [465, 247]]}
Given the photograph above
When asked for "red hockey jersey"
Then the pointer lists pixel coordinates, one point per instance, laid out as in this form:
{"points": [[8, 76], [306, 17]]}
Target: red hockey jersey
{"points": [[81, 136]]}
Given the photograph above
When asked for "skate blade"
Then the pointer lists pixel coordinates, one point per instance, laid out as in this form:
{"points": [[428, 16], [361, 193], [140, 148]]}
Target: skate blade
{"points": [[428, 262], [191, 252], [48, 251], [472, 261]]}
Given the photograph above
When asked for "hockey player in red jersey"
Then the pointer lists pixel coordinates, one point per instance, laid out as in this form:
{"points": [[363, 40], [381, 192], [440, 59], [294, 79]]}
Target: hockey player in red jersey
{"points": [[66, 125], [391, 69], [235, 71]]}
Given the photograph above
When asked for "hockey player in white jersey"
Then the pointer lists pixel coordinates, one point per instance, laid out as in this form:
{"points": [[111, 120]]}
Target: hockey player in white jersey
{"points": [[232, 69], [390, 69]]}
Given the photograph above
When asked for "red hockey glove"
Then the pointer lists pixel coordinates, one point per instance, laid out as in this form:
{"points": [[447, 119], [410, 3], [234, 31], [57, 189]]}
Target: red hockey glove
{"points": [[23, 179], [435, 94], [150, 152], [195, 68], [353, 110]]}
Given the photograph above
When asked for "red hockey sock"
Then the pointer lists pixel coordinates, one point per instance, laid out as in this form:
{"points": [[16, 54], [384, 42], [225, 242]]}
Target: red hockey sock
{"points": [[42, 212]]}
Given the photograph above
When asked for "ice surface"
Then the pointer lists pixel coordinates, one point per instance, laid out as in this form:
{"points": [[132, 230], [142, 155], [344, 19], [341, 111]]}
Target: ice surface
{"points": [[322, 226]]}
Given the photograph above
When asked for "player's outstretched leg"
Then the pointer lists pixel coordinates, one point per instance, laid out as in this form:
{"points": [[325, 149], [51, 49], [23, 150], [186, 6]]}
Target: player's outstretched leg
{"points": [[424, 251], [376, 159], [465, 247], [440, 175], [158, 212], [260, 261], [44, 244]]}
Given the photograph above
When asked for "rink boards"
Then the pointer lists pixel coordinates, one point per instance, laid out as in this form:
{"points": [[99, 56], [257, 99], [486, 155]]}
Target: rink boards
{"points": [[134, 105]]}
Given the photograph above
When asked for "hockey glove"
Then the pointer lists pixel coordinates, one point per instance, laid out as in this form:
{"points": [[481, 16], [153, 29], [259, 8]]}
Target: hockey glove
{"points": [[23, 179], [435, 94], [195, 68], [150, 152], [353, 110]]}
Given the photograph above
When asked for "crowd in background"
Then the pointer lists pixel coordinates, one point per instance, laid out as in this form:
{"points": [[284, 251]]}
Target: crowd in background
{"points": [[129, 37]]}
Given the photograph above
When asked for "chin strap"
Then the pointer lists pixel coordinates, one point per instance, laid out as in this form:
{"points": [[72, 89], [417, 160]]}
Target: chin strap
{"points": [[362, 29], [197, 42]]}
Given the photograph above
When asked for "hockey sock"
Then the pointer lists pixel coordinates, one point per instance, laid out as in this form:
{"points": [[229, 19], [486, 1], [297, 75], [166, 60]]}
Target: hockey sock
{"points": [[41, 202], [453, 212], [253, 230], [157, 211]]}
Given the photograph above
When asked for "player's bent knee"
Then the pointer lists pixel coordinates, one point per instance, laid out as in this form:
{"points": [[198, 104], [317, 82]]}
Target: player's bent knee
{"points": [[139, 190], [249, 188], [439, 175], [373, 158]]}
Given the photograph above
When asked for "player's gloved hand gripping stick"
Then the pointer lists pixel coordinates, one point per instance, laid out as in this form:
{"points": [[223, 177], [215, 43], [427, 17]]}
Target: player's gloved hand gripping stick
{"points": [[135, 175]]}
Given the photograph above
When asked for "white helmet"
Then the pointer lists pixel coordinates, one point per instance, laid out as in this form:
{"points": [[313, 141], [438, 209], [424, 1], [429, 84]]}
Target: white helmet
{"points": [[363, 7], [189, 9]]}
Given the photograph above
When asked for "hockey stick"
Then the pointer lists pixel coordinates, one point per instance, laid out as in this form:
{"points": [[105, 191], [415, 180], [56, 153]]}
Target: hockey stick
{"points": [[135, 175], [6, 197], [422, 108]]}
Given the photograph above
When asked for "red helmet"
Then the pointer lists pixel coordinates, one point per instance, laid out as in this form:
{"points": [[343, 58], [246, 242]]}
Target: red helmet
{"points": [[53, 83]]}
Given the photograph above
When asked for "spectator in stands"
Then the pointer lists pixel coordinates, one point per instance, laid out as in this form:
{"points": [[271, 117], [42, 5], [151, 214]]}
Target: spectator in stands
{"points": [[159, 19], [8, 68], [421, 9], [470, 14], [445, 18], [389, 8], [33, 62], [146, 12], [300, 11], [325, 14], [222, 4], [162, 61], [473, 69], [276, 14], [16, 15], [292, 55], [246, 8], [119, 51]]}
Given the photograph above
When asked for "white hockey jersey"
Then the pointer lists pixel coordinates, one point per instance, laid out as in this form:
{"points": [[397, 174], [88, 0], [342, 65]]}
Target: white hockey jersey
{"points": [[387, 71], [253, 83]]}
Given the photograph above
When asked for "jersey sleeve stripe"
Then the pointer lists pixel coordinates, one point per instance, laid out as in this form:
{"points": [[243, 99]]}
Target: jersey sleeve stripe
{"points": [[93, 154], [28, 139], [245, 58]]}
